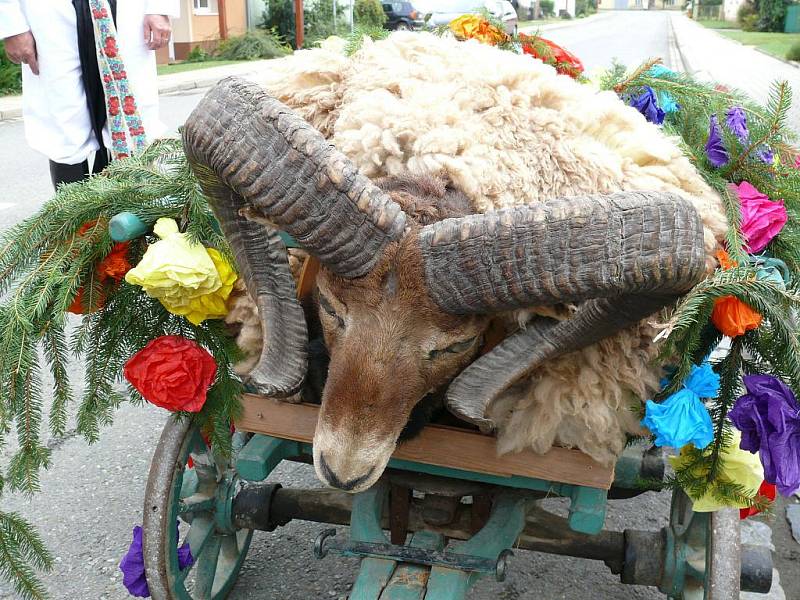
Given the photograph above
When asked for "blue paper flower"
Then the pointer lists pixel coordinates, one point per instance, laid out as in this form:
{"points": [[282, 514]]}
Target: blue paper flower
{"points": [[668, 103], [683, 418], [715, 150], [647, 104], [736, 120], [765, 155], [661, 71]]}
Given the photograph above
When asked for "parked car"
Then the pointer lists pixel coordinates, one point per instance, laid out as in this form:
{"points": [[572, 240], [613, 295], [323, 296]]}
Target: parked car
{"points": [[402, 16], [443, 11]]}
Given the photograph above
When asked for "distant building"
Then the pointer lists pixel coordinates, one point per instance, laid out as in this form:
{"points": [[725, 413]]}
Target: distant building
{"points": [[730, 9], [638, 4], [201, 24]]}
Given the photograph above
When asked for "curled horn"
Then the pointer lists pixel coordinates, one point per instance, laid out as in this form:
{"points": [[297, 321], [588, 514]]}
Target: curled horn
{"points": [[249, 151], [623, 257]]}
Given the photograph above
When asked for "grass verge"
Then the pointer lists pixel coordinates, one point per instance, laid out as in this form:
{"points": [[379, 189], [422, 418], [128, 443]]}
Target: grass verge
{"points": [[776, 44], [191, 66]]}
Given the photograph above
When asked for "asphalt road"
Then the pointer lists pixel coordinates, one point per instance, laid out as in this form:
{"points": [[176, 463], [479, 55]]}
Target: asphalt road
{"points": [[92, 495]]}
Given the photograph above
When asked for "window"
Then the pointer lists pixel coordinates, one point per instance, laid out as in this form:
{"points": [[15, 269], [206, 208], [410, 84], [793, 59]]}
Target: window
{"points": [[205, 7]]}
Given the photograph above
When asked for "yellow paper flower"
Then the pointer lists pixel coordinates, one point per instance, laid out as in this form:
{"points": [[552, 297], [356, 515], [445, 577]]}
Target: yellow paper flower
{"points": [[214, 304], [475, 27], [175, 270], [738, 466]]}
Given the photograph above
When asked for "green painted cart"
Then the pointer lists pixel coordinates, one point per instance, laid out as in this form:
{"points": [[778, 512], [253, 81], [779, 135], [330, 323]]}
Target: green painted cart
{"points": [[430, 528]]}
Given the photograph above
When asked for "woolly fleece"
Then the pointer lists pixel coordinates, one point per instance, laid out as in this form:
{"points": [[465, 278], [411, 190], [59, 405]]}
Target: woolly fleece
{"points": [[507, 130]]}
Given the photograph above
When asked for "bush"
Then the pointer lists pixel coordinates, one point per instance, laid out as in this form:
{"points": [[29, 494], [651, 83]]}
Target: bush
{"points": [[369, 13], [794, 52], [750, 23], [252, 45], [772, 14], [745, 10], [10, 74], [547, 6], [197, 54]]}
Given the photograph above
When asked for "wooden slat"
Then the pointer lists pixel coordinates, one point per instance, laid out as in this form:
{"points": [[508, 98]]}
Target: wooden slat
{"points": [[440, 446]]}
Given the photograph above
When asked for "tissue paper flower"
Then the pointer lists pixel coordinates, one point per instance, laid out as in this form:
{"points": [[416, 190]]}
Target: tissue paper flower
{"points": [[715, 149], [733, 317], [683, 418], [769, 418], [768, 491], [213, 305], [736, 466], [736, 120], [762, 219], [132, 565], [647, 104]]}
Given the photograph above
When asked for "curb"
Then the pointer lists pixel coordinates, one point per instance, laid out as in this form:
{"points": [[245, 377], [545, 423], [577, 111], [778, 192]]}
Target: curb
{"points": [[166, 87], [677, 58]]}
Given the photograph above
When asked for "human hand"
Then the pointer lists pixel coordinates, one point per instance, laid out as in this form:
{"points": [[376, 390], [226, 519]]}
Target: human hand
{"points": [[21, 49], [157, 31]]}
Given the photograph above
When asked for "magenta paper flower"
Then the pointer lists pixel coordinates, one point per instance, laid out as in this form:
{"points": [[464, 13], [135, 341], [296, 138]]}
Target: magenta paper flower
{"points": [[762, 219]]}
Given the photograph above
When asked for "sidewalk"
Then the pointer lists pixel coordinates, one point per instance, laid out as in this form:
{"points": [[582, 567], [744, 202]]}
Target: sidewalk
{"points": [[11, 106], [710, 56]]}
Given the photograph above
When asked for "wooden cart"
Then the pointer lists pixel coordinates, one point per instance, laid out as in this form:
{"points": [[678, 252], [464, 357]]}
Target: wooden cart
{"points": [[447, 512]]}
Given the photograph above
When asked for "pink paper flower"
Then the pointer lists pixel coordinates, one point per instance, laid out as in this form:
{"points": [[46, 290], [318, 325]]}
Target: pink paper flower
{"points": [[762, 219], [797, 162]]}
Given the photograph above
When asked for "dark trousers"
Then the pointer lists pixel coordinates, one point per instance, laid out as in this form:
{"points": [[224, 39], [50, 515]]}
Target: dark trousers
{"points": [[61, 173], [95, 97]]}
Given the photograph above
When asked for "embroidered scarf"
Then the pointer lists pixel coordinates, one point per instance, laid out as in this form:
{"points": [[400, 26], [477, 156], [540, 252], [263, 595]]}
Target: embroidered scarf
{"points": [[124, 121]]}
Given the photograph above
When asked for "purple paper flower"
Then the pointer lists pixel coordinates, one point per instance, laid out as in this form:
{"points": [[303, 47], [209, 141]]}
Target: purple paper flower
{"points": [[769, 419], [132, 565], [736, 120], [765, 155], [715, 150], [647, 104]]}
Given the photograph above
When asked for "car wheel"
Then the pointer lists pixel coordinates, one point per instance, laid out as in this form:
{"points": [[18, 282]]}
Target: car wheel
{"points": [[402, 26]]}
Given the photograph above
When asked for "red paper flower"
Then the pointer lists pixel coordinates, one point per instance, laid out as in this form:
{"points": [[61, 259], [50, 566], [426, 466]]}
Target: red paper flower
{"points": [[552, 54], [768, 491], [173, 373], [115, 264]]}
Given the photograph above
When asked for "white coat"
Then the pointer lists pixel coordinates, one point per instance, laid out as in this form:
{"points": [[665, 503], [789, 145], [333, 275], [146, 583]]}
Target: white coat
{"points": [[56, 118]]}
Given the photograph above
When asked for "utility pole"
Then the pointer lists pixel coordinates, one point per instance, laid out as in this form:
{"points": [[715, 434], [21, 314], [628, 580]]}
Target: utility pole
{"points": [[223, 22], [298, 24]]}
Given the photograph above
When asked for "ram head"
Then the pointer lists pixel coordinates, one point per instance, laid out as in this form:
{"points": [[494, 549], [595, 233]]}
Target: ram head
{"points": [[411, 279]]}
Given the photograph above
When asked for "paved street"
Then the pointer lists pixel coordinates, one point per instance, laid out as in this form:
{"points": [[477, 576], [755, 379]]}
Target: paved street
{"points": [[92, 495]]}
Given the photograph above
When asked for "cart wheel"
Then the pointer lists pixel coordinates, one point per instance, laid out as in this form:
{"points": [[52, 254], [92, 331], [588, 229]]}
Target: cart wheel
{"points": [[201, 496], [703, 559]]}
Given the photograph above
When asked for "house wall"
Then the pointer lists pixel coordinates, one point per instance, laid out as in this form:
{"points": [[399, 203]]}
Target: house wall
{"points": [[731, 8], [191, 30]]}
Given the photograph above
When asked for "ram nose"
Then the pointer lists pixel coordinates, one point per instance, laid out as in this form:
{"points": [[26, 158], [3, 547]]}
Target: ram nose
{"points": [[347, 468]]}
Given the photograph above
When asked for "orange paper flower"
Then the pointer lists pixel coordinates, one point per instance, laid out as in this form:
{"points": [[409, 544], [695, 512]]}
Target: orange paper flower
{"points": [[733, 317], [115, 264], [725, 261], [475, 27], [77, 307]]}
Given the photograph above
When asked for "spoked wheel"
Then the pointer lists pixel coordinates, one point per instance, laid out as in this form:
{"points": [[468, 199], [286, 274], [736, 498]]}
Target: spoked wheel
{"points": [[703, 552], [202, 497]]}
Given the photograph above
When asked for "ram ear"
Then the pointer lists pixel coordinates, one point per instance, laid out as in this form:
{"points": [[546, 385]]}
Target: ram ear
{"points": [[622, 257], [252, 153]]}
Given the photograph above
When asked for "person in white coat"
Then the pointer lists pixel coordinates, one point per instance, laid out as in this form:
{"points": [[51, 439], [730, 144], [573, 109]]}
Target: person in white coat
{"points": [[64, 109]]}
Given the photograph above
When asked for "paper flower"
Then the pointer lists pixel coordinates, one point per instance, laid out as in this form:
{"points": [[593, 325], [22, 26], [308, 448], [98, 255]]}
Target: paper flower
{"points": [[683, 418], [715, 150], [132, 564], [736, 120], [78, 306], [769, 418], [762, 218], [175, 270], [647, 104], [736, 466], [733, 317], [725, 261], [552, 54], [213, 305], [668, 103], [765, 155], [768, 491], [797, 162], [475, 27], [172, 372], [660, 70]]}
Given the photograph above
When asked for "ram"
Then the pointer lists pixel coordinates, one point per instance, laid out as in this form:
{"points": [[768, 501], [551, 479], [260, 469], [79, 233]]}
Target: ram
{"points": [[507, 198]]}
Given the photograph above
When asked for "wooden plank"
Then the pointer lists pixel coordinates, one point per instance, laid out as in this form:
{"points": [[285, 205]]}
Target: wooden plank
{"points": [[441, 446]]}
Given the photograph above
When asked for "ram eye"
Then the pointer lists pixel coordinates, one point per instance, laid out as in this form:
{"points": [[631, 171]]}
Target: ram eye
{"points": [[456, 348], [328, 308]]}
